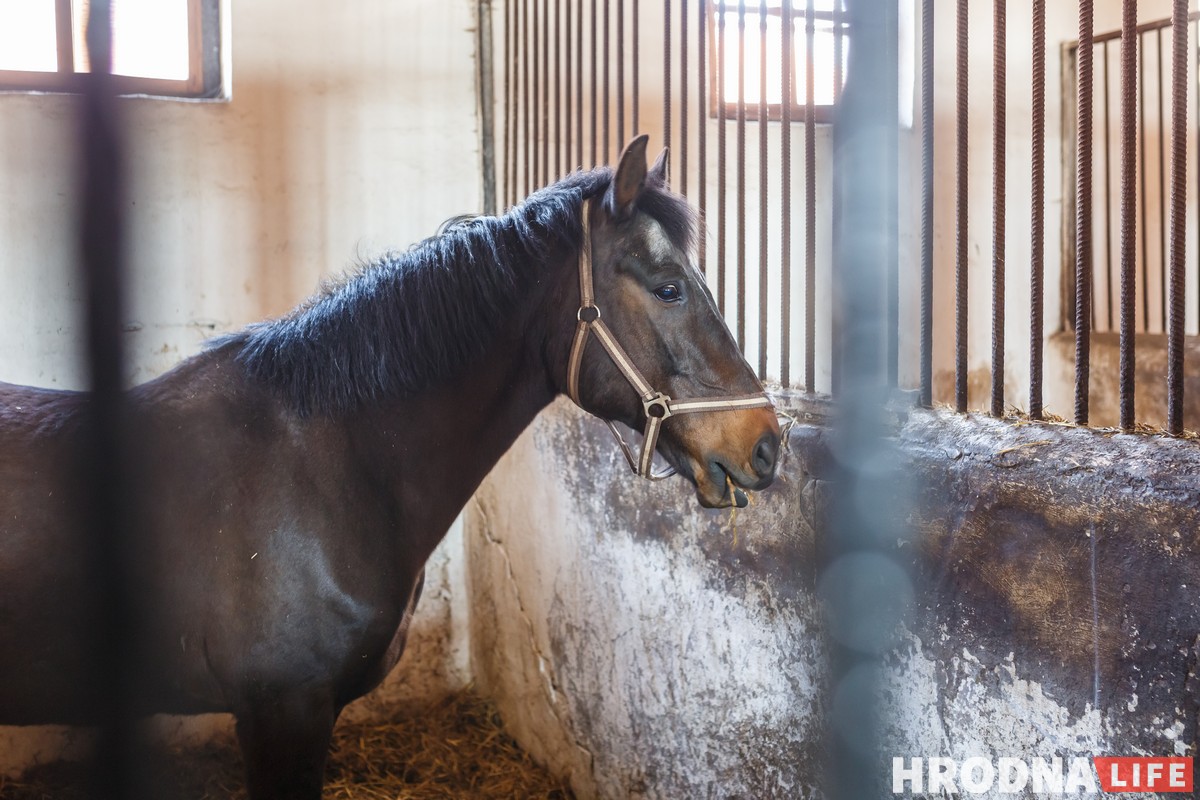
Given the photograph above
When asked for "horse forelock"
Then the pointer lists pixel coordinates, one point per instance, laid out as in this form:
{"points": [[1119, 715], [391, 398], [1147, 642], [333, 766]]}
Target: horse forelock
{"points": [[410, 319]]}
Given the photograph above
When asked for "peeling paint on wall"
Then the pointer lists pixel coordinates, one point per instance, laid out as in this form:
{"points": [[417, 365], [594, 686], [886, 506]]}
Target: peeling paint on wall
{"points": [[1056, 572]]}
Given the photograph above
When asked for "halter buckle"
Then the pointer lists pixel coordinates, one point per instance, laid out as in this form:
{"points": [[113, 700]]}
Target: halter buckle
{"points": [[588, 313], [658, 406]]}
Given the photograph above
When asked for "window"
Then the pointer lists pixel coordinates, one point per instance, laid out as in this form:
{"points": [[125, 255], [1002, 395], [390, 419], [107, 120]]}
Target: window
{"points": [[741, 36], [169, 48]]}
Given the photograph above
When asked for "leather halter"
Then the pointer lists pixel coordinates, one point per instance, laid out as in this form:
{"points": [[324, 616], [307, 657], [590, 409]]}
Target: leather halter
{"points": [[657, 406]]}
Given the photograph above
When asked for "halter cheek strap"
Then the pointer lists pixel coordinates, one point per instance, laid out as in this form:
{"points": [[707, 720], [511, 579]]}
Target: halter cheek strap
{"points": [[657, 406]]}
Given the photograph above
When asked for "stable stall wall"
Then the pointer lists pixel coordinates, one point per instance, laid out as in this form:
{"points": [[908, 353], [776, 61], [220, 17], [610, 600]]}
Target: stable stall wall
{"points": [[351, 129]]}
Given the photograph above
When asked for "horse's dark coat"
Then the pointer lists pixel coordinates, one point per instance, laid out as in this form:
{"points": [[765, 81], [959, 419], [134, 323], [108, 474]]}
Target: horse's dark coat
{"points": [[295, 477]]}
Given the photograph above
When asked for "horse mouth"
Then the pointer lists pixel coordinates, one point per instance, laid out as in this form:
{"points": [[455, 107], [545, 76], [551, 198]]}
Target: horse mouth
{"points": [[722, 487]]}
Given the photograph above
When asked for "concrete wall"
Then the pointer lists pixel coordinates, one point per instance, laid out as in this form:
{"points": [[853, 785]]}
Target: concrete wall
{"points": [[649, 648], [352, 128]]}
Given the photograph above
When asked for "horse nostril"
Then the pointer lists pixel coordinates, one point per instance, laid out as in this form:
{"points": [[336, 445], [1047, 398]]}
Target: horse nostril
{"points": [[766, 452]]}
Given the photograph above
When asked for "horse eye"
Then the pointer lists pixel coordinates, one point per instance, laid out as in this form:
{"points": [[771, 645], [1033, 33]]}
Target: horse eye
{"points": [[668, 293]]}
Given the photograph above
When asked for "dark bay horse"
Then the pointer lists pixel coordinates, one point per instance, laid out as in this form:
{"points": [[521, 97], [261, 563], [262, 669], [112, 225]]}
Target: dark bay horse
{"points": [[295, 476]]}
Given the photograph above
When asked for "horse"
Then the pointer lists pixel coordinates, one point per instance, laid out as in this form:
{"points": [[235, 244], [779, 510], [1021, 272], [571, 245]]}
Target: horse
{"points": [[294, 476]]}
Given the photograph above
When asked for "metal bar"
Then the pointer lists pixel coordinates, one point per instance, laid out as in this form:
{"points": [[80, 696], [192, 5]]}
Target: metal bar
{"points": [[1037, 225], [810, 196], [606, 96], [1129, 47], [534, 44], [545, 169], [524, 48], [508, 106], [621, 73], [702, 126], [667, 72], [1083, 215], [683, 98], [892, 177], [835, 333], [998, 204], [485, 66], [1144, 227], [722, 173], [104, 457], [579, 137], [962, 92], [558, 106], [926, 368], [741, 179], [785, 196], [594, 98], [763, 285], [568, 102], [636, 95], [1162, 192], [1106, 116], [1175, 322]]}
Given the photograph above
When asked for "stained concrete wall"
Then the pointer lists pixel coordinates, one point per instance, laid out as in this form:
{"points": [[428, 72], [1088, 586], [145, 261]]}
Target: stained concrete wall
{"points": [[649, 648], [352, 128]]}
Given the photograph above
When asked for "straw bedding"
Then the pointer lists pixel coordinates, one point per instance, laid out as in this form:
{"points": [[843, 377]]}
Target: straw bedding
{"points": [[457, 749]]}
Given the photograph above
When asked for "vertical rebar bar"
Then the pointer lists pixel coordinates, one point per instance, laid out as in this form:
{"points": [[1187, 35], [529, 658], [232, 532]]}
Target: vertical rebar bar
{"points": [[594, 96], [667, 72], [1083, 214], [722, 173], [545, 93], [683, 98], [506, 185], [1037, 225], [579, 137], [621, 73], [962, 96], [785, 195], [926, 378], [1162, 191], [998, 204], [1175, 321], [568, 100], [635, 95], [526, 163], [763, 258], [810, 196], [1106, 116], [605, 95], [740, 204], [1129, 47], [557, 170], [835, 332], [702, 126], [892, 179], [1142, 171], [535, 44]]}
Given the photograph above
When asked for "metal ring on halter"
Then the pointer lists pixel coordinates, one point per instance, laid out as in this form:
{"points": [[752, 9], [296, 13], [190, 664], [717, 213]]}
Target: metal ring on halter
{"points": [[660, 403], [590, 317]]}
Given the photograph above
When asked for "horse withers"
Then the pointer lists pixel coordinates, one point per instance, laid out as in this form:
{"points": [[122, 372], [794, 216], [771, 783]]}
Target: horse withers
{"points": [[293, 478]]}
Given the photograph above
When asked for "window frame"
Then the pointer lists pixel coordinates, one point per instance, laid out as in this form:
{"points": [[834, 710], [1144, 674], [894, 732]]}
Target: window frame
{"points": [[206, 78], [822, 113]]}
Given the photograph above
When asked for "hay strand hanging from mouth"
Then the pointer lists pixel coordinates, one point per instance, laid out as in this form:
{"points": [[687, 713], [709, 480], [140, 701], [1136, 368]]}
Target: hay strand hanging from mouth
{"points": [[455, 749]]}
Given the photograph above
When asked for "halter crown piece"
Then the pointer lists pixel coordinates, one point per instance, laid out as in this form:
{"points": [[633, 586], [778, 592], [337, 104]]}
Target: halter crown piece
{"points": [[657, 405]]}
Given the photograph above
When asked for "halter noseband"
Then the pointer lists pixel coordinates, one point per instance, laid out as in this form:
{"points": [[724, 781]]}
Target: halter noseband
{"points": [[656, 405]]}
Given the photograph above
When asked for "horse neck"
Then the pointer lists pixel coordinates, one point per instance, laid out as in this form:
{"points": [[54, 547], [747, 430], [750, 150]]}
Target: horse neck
{"points": [[436, 446]]}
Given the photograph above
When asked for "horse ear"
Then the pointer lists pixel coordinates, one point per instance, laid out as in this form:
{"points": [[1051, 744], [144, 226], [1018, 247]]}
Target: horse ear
{"points": [[657, 177], [630, 179]]}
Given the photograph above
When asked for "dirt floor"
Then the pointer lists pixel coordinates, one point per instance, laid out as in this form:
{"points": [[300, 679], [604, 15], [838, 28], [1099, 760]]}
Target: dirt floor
{"points": [[456, 750]]}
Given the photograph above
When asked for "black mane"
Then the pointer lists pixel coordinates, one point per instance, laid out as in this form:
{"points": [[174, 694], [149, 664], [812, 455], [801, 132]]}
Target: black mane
{"points": [[410, 319]]}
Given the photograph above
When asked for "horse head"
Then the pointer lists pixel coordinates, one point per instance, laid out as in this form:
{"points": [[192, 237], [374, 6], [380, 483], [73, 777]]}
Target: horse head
{"points": [[650, 349]]}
